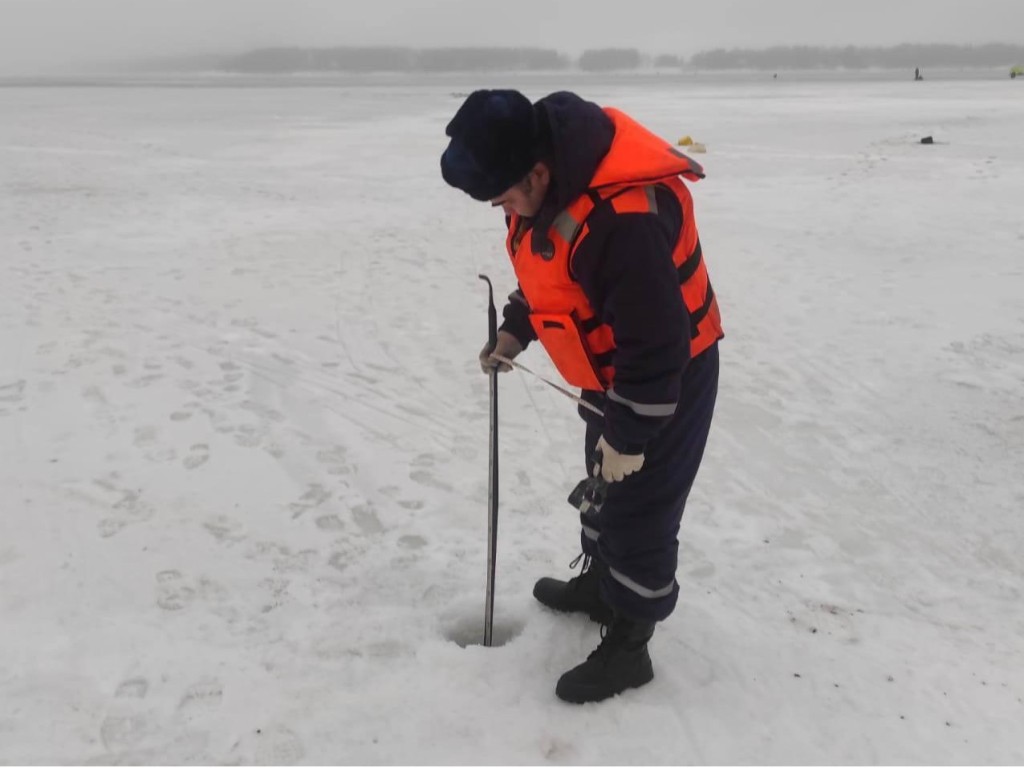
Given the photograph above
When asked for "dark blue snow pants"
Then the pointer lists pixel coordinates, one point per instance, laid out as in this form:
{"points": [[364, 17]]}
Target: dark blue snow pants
{"points": [[635, 532]]}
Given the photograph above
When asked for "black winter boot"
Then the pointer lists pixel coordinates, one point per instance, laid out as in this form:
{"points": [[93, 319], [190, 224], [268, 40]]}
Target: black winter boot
{"points": [[579, 594], [621, 661]]}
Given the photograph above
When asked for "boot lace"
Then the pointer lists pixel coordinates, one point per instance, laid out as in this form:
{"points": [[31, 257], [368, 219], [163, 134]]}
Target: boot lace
{"points": [[576, 561], [587, 561], [604, 647], [620, 634]]}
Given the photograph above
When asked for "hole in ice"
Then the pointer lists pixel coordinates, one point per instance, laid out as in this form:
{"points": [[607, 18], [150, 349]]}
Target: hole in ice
{"points": [[469, 630]]}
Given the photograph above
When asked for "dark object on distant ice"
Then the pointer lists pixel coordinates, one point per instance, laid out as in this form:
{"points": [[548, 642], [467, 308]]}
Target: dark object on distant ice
{"points": [[927, 140], [917, 74]]}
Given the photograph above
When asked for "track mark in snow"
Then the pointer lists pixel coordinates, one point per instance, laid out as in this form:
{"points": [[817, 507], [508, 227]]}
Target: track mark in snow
{"points": [[133, 688], [248, 436], [126, 724], [338, 561], [198, 455], [423, 460], [136, 736], [145, 437], [128, 509], [93, 394], [366, 518], [278, 589], [284, 560], [119, 732], [12, 393], [329, 523], [202, 697], [425, 478], [172, 593], [335, 459], [224, 529], [412, 542], [314, 496], [146, 440], [110, 526], [275, 450], [144, 381]]}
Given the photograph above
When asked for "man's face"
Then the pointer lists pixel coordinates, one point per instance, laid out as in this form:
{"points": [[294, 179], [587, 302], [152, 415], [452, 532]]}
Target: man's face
{"points": [[526, 197]]}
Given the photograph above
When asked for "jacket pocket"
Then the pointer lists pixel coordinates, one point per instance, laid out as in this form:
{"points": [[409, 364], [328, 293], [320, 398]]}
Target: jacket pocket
{"points": [[563, 339]]}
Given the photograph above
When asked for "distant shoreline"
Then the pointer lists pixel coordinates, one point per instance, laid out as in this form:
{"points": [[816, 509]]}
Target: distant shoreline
{"points": [[497, 62], [220, 79]]}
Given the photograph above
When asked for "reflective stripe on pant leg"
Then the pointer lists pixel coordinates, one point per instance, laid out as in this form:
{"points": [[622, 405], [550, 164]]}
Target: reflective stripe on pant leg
{"points": [[650, 594]]}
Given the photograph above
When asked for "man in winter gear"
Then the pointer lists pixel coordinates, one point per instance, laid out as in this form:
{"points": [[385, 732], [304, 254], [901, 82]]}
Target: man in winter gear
{"points": [[612, 282]]}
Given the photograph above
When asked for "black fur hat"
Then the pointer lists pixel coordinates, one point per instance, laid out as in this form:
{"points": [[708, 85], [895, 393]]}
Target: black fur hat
{"points": [[495, 141]]}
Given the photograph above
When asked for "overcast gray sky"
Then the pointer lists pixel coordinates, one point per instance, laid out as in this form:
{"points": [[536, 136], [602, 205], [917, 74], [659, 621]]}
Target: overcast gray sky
{"points": [[37, 34]]}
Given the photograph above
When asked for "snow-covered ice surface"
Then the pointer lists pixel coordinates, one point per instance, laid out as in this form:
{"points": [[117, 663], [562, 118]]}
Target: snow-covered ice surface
{"points": [[244, 435]]}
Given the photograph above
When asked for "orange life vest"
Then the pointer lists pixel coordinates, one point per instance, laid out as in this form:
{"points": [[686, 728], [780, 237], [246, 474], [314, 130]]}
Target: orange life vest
{"points": [[578, 342]]}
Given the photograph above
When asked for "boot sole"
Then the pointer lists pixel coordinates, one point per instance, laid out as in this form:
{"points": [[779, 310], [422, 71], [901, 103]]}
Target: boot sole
{"points": [[593, 696]]}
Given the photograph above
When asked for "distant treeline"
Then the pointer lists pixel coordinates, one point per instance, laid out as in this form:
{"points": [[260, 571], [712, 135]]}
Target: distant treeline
{"points": [[895, 57], [267, 60], [395, 60], [377, 59]]}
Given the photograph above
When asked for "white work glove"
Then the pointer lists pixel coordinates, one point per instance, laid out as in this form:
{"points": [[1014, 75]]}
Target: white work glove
{"points": [[614, 465], [507, 346]]}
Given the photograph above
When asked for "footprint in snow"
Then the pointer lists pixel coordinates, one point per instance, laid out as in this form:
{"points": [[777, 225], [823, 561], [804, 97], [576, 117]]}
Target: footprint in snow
{"points": [[366, 519], [329, 523], [12, 393], [173, 594], [133, 688], [202, 698], [126, 723], [198, 455], [314, 496], [426, 478]]}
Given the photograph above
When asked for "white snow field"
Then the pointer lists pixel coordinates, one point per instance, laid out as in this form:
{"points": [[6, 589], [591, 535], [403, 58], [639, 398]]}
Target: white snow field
{"points": [[244, 434]]}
